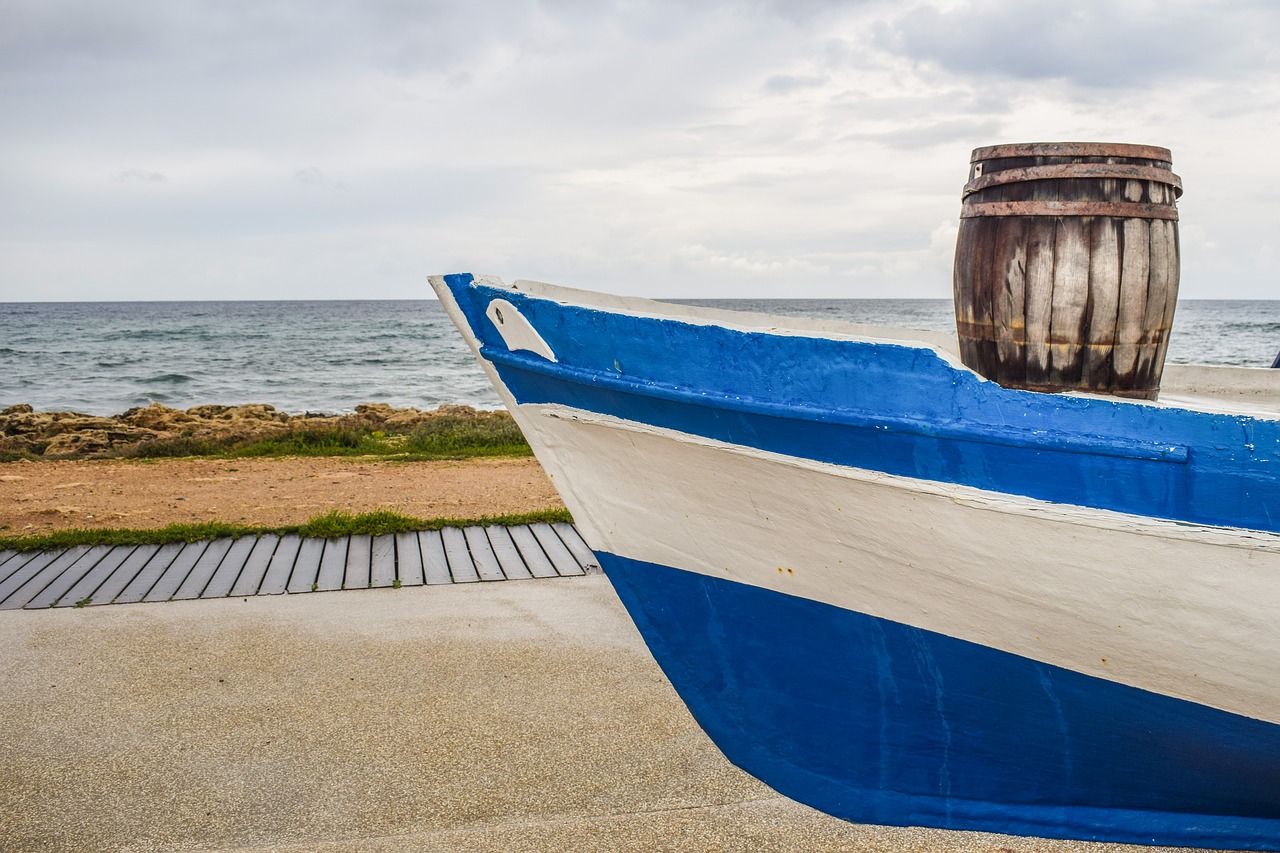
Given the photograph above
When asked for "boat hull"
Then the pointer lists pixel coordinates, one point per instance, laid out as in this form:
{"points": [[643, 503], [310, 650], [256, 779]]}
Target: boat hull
{"points": [[878, 722], [895, 607]]}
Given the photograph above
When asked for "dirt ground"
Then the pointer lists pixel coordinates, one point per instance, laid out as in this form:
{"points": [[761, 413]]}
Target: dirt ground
{"points": [[37, 497]]}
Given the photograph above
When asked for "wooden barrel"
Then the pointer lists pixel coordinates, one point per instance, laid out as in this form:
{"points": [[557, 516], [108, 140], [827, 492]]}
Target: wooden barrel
{"points": [[1066, 271]]}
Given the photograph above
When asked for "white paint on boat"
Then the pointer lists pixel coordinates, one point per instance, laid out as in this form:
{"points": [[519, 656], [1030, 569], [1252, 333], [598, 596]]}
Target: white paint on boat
{"points": [[1102, 593], [516, 331]]}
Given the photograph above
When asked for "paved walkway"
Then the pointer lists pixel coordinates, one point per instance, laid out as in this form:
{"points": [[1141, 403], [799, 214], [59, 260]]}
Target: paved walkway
{"points": [[270, 565], [457, 717]]}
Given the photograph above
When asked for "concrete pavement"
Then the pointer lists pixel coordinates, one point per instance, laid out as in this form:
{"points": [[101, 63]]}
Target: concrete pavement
{"points": [[521, 716]]}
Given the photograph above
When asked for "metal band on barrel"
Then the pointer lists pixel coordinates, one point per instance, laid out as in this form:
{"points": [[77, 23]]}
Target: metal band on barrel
{"points": [[1075, 170], [1072, 149], [1121, 209]]}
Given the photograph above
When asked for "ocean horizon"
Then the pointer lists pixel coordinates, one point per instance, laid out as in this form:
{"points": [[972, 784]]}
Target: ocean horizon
{"points": [[105, 357]]}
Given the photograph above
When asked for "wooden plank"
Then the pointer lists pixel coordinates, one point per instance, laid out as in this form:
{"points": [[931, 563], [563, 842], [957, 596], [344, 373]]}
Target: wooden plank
{"points": [[129, 569], [276, 579], [17, 562], [333, 564], [255, 567], [1007, 304], [29, 569], [1104, 291], [573, 540], [87, 585], [408, 559], [5, 557], [382, 561], [560, 556], [53, 592], [306, 567], [162, 570], [461, 567], [1135, 275], [202, 572], [482, 556], [159, 583], [23, 593], [531, 552], [507, 553], [435, 564], [1068, 317], [1038, 300], [359, 555], [229, 569]]}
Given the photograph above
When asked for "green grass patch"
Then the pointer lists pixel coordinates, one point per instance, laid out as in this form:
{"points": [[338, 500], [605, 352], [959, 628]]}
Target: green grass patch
{"points": [[329, 525], [444, 436]]}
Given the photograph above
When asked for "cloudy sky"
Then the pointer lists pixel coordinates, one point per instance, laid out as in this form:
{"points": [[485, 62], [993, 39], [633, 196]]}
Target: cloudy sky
{"points": [[307, 149]]}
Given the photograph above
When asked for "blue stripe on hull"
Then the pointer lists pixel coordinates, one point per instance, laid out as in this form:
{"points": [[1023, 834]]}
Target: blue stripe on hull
{"points": [[892, 408], [877, 722]]}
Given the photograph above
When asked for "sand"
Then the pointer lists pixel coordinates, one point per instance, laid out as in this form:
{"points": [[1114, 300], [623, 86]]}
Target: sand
{"points": [[39, 497]]}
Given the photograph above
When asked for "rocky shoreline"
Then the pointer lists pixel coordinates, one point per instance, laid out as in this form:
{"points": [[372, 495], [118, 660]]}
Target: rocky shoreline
{"points": [[63, 435]]}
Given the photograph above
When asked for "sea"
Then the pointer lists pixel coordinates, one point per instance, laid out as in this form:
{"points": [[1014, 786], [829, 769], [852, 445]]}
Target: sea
{"points": [[103, 358]]}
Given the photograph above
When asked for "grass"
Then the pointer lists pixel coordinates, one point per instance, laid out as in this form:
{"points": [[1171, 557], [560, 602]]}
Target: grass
{"points": [[444, 436], [328, 525]]}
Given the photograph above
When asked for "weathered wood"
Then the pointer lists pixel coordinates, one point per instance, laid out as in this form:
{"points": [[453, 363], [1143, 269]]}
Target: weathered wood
{"points": [[203, 570], [159, 582], [575, 543], [27, 571], [435, 563], [305, 575], [117, 581], [508, 555], [560, 556], [88, 585], [1104, 270], [382, 561], [1038, 299], [333, 564], [5, 557], [359, 553], [408, 559], [1069, 317], [531, 552], [53, 592], [230, 568], [255, 566], [461, 567], [486, 562], [1088, 233], [275, 579], [23, 593]]}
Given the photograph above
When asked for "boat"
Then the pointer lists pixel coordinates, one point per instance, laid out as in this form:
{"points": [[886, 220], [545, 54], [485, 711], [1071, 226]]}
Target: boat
{"points": [[903, 594]]}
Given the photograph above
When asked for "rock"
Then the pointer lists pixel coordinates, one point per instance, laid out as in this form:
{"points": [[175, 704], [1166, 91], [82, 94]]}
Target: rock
{"points": [[157, 417], [71, 433]]}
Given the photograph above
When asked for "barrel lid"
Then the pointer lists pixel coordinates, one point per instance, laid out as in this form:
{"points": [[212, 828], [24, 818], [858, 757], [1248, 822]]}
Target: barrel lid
{"points": [[1071, 149]]}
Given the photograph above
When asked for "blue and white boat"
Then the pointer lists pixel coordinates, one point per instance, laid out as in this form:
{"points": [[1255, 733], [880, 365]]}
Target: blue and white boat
{"points": [[902, 594]]}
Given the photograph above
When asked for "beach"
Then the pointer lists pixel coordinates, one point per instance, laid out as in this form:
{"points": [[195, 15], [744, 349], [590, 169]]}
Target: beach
{"points": [[44, 496]]}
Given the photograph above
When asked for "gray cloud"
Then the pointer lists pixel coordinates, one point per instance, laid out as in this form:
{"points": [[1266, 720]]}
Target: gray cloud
{"points": [[1099, 43], [141, 175], [581, 141]]}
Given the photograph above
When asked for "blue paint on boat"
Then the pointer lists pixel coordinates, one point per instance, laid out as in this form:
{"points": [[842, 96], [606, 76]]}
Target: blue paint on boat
{"points": [[878, 722], [889, 407]]}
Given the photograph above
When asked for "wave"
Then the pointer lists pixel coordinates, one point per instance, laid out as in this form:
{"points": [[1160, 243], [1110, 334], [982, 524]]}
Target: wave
{"points": [[169, 379]]}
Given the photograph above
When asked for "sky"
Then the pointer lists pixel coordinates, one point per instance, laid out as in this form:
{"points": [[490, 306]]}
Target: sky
{"points": [[337, 149]]}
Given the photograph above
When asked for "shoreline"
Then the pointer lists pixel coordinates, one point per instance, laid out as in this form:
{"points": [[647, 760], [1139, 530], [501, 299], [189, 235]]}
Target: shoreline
{"points": [[158, 430]]}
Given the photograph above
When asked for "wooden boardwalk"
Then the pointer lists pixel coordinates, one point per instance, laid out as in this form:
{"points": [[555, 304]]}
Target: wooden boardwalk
{"points": [[270, 565]]}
